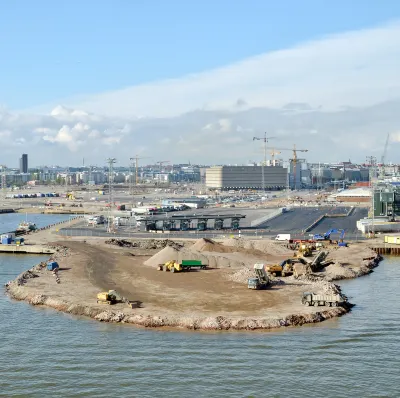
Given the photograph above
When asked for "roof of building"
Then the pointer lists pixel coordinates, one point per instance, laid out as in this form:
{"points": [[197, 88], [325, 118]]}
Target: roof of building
{"points": [[356, 192]]}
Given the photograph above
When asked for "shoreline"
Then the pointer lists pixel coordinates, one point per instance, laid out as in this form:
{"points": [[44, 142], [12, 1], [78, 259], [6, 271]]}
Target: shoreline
{"points": [[179, 320], [211, 323]]}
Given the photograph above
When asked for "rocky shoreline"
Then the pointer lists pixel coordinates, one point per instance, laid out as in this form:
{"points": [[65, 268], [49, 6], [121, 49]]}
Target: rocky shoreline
{"points": [[16, 289]]}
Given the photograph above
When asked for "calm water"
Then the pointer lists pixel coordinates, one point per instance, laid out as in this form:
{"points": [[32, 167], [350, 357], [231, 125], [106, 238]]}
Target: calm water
{"points": [[9, 222], [44, 353]]}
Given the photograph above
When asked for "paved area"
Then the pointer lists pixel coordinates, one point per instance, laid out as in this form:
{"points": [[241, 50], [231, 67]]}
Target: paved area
{"points": [[349, 224]]}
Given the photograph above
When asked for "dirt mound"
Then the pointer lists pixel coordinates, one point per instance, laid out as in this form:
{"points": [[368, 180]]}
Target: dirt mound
{"points": [[208, 245], [217, 260], [167, 254], [266, 246], [147, 244]]}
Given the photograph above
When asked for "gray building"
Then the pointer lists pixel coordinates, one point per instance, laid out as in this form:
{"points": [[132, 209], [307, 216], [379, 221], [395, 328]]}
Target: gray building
{"points": [[23, 163], [245, 177]]}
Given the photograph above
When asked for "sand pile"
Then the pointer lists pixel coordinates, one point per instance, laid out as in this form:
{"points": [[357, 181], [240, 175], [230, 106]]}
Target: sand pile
{"points": [[208, 245], [265, 246], [213, 260], [167, 254]]}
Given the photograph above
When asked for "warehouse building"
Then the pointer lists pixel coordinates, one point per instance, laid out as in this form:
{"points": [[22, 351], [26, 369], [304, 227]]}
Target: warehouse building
{"points": [[246, 177]]}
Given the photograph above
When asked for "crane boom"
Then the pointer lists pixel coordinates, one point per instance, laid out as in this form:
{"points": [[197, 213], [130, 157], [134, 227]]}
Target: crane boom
{"points": [[294, 159]]}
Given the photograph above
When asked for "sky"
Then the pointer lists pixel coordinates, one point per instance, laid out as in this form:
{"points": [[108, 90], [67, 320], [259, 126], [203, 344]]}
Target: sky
{"points": [[94, 76]]}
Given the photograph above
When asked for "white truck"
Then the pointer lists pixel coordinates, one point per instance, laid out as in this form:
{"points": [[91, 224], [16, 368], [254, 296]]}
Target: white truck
{"points": [[332, 300], [282, 237]]}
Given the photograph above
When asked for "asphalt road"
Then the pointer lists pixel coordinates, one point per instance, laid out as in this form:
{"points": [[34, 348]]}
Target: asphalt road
{"points": [[349, 224], [294, 220]]}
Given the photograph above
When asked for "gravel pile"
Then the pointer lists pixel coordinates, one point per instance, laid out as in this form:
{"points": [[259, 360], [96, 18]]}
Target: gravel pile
{"points": [[147, 244], [241, 275]]}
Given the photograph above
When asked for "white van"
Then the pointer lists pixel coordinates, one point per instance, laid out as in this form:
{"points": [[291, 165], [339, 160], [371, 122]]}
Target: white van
{"points": [[282, 237]]}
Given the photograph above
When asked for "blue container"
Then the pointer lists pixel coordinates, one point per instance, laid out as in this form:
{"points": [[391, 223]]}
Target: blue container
{"points": [[52, 265], [6, 241]]}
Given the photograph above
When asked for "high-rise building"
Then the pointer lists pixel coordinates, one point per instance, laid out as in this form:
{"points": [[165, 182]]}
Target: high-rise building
{"points": [[23, 163]]}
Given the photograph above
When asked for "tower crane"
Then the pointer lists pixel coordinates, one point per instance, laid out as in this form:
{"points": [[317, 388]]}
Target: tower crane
{"points": [[136, 159], [294, 159], [383, 158], [273, 154]]}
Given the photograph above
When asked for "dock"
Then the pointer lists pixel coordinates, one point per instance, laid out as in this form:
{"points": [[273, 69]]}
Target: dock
{"points": [[26, 249], [4, 211], [392, 250]]}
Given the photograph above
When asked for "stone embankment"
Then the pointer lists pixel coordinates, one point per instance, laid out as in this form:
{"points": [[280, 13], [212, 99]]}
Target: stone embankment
{"points": [[190, 322]]}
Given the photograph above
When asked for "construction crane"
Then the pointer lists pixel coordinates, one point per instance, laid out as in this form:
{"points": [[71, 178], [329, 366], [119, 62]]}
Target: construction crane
{"points": [[294, 160], [383, 158], [273, 154], [136, 159], [265, 140]]}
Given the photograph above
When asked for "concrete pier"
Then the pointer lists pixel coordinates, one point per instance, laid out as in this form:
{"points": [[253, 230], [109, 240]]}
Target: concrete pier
{"points": [[26, 249]]}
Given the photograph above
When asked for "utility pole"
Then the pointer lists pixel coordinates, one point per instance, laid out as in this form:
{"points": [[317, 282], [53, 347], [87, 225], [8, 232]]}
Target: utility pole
{"points": [[265, 140], [66, 180], [3, 180], [131, 165], [111, 162]]}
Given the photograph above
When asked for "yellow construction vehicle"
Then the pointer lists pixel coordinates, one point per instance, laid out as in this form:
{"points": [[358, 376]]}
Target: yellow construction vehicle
{"points": [[185, 265], [274, 269], [304, 250], [171, 266], [110, 297]]}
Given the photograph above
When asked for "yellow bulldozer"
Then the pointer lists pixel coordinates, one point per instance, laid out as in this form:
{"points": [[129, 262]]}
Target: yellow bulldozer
{"points": [[305, 250], [110, 297]]}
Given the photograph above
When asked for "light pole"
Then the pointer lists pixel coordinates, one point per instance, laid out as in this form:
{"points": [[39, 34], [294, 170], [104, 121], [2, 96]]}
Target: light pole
{"points": [[111, 162], [265, 139]]}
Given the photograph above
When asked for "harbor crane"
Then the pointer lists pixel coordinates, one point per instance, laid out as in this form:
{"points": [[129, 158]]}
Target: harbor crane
{"points": [[265, 140], [294, 159]]}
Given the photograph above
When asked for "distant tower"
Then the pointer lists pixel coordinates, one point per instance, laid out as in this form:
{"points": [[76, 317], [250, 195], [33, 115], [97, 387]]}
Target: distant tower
{"points": [[23, 163]]}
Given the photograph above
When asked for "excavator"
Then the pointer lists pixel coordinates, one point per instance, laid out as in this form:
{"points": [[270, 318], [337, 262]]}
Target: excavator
{"points": [[327, 236]]}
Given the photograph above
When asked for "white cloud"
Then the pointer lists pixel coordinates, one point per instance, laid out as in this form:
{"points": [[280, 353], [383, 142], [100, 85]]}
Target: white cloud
{"points": [[352, 68], [337, 97]]}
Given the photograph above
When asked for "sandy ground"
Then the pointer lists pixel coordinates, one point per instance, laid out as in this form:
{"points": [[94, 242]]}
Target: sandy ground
{"points": [[216, 298]]}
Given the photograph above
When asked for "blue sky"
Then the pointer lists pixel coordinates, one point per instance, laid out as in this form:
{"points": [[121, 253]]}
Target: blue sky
{"points": [[52, 50]]}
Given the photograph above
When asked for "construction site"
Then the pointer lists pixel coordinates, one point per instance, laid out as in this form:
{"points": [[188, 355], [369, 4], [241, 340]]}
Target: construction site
{"points": [[204, 284]]}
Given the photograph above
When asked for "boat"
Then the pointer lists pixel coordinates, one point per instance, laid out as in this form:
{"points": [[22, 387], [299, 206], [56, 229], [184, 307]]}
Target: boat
{"points": [[26, 226]]}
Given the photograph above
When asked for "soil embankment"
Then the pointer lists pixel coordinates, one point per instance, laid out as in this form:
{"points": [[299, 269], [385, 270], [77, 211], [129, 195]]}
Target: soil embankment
{"points": [[212, 299]]}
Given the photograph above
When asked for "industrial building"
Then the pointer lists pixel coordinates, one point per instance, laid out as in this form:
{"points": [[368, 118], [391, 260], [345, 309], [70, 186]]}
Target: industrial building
{"points": [[246, 177]]}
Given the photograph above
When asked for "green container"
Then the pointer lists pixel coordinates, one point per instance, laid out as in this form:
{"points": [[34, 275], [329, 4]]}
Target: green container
{"points": [[191, 263]]}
